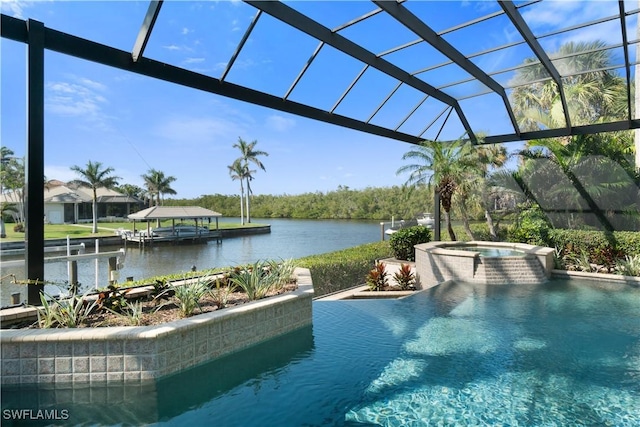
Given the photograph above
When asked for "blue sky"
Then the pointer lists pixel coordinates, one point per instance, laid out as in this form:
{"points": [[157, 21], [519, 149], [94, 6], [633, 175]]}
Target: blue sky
{"points": [[133, 123]]}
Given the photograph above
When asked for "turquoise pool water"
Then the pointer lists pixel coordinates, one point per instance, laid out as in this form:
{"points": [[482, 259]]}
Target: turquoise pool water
{"points": [[557, 354], [489, 251]]}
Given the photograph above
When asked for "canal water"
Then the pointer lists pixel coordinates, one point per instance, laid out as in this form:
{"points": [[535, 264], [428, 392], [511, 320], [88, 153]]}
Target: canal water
{"points": [[289, 238]]}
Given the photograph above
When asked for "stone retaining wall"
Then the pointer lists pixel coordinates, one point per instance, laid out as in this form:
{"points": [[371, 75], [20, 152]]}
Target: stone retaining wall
{"points": [[130, 353]]}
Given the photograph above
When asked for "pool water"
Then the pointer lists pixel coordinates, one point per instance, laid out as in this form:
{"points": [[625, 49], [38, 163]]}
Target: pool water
{"points": [[560, 353], [489, 251]]}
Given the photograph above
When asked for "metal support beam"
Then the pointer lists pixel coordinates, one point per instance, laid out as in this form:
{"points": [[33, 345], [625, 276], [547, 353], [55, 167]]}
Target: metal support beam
{"points": [[95, 52], [436, 216], [434, 120], [518, 21], [417, 26], [244, 39], [304, 69], [357, 20], [34, 162], [625, 45], [403, 121], [395, 89], [557, 133], [146, 29], [346, 92], [314, 29]]}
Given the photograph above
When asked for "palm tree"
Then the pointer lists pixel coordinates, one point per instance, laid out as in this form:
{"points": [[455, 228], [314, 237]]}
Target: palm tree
{"points": [[489, 157], [442, 164], [95, 176], [236, 171], [591, 96], [5, 154], [249, 154], [158, 184], [593, 177], [5, 208]]}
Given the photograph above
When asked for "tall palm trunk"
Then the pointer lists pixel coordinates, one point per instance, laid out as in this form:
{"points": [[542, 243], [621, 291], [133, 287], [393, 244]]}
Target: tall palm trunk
{"points": [[447, 219], [490, 225], [95, 211], [247, 201], [446, 188], [465, 217], [241, 203]]}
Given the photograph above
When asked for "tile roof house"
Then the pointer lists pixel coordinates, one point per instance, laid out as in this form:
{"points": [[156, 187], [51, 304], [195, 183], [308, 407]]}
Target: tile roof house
{"points": [[68, 203]]}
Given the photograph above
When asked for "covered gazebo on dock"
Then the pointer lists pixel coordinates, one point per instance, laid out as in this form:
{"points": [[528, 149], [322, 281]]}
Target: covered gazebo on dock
{"points": [[195, 213]]}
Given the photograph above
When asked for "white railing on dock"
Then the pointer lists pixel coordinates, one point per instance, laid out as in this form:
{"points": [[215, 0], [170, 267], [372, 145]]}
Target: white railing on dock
{"points": [[118, 255]]}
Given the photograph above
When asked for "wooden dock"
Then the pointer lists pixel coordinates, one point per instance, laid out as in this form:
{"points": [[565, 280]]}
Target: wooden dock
{"points": [[143, 239]]}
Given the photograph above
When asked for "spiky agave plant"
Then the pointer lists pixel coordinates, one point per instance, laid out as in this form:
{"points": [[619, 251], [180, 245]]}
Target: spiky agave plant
{"points": [[189, 296]]}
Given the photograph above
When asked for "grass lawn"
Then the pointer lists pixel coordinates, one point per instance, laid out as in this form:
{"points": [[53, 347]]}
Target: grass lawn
{"points": [[61, 231]]}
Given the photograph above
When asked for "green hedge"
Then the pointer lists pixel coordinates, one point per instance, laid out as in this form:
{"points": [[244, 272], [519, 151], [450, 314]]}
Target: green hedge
{"points": [[402, 242], [335, 271], [602, 248], [480, 232]]}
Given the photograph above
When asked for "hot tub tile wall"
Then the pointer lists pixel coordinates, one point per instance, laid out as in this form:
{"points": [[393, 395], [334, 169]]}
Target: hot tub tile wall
{"points": [[144, 353], [435, 264]]}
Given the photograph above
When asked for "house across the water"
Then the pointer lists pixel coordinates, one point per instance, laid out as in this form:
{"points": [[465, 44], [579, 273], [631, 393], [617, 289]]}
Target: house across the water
{"points": [[69, 203]]}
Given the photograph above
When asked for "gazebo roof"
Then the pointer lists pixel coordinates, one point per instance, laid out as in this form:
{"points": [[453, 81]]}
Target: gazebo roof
{"points": [[174, 212]]}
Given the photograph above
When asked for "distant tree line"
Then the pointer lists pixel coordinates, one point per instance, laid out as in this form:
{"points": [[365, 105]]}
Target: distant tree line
{"points": [[380, 203]]}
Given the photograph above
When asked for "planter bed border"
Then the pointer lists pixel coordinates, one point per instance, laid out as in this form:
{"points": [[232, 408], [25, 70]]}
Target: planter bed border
{"points": [[138, 353]]}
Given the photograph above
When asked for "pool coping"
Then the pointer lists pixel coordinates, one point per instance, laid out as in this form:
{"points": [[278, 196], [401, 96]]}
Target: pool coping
{"points": [[363, 292], [135, 353], [600, 277]]}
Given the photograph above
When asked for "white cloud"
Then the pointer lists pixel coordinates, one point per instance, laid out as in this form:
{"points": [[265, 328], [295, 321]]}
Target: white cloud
{"points": [[81, 98], [553, 15], [14, 8], [280, 123], [195, 130], [61, 173], [193, 60], [172, 47], [186, 31]]}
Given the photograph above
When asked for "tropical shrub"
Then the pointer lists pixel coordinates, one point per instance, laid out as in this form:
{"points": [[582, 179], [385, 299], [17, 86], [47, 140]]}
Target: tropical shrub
{"points": [[402, 242], [405, 278], [603, 248], [531, 226], [112, 299], [377, 278], [161, 292]]}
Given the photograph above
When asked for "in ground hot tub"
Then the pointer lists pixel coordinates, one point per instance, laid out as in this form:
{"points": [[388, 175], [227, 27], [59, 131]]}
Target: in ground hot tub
{"points": [[483, 262]]}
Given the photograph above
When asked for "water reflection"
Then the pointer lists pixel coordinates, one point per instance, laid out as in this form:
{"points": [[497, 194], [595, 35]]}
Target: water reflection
{"points": [[154, 401]]}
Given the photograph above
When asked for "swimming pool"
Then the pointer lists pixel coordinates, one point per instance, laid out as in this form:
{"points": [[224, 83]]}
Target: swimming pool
{"points": [[559, 353]]}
